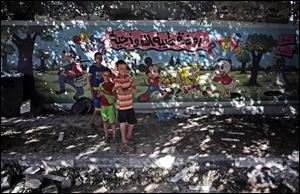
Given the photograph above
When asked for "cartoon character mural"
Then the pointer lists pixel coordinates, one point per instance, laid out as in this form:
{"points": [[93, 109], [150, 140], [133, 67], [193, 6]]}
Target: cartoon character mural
{"points": [[152, 71], [86, 42], [222, 68], [231, 43], [281, 80], [167, 80], [165, 46], [72, 75], [189, 78]]}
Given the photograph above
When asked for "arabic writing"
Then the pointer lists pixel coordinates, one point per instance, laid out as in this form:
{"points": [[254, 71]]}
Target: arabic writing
{"points": [[136, 39]]}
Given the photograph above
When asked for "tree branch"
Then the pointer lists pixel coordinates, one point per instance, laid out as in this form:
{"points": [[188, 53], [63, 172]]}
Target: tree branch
{"points": [[34, 36], [15, 39]]}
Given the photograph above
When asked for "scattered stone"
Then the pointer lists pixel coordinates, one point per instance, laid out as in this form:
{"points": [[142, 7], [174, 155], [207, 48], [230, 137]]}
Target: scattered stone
{"points": [[78, 181], [176, 189], [4, 173], [5, 182], [151, 187], [19, 188], [55, 177], [33, 181], [50, 189], [294, 156], [102, 190], [32, 170], [67, 183]]}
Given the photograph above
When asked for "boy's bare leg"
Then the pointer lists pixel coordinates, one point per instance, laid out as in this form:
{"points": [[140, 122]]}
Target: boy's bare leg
{"points": [[93, 117], [105, 127], [130, 130], [92, 122], [113, 127], [123, 132]]}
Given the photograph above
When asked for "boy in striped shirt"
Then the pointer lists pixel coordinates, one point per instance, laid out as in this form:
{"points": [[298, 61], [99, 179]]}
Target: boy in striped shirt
{"points": [[125, 89]]}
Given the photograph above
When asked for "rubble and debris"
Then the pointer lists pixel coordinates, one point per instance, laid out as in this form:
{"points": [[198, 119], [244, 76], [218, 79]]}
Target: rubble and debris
{"points": [[55, 177], [50, 189], [33, 181], [6, 182], [32, 170]]}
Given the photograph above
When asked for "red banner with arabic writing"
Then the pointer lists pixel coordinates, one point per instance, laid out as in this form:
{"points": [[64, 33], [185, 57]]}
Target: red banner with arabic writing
{"points": [[161, 41]]}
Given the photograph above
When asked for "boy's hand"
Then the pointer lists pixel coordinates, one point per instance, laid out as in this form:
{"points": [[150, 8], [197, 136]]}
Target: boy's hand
{"points": [[132, 90], [99, 94], [94, 93]]}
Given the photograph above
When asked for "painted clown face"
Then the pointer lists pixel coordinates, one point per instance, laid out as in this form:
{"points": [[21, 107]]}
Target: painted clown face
{"points": [[222, 67]]}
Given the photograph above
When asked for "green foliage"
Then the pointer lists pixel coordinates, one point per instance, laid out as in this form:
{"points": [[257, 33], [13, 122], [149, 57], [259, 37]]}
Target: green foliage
{"points": [[45, 32], [41, 53], [7, 49], [260, 42], [243, 56]]}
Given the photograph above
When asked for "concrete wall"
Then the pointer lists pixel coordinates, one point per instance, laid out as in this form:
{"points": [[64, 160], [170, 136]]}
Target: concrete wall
{"points": [[197, 63]]}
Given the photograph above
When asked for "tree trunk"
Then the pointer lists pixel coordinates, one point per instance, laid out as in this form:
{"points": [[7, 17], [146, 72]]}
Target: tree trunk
{"points": [[243, 67], [254, 69], [43, 66], [25, 48], [4, 62]]}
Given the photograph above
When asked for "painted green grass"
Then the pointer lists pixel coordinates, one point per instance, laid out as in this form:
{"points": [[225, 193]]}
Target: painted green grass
{"points": [[47, 83]]}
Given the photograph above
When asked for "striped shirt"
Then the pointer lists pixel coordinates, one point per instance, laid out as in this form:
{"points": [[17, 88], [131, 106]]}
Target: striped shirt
{"points": [[124, 101]]}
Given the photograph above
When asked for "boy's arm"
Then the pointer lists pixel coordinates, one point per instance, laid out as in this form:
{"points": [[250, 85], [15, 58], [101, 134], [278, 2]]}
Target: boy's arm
{"points": [[113, 95], [90, 84], [110, 96], [124, 92], [120, 90]]}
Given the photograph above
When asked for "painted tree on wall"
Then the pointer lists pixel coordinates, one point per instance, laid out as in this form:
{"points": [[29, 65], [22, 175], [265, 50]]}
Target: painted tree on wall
{"points": [[171, 62], [243, 57], [6, 49], [257, 45], [43, 56], [26, 45]]}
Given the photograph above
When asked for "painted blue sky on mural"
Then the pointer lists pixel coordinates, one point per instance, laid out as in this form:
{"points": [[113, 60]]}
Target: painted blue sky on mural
{"points": [[64, 41]]}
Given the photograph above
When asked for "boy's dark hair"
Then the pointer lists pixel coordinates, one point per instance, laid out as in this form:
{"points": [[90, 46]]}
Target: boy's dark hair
{"points": [[119, 62], [107, 70], [97, 53]]}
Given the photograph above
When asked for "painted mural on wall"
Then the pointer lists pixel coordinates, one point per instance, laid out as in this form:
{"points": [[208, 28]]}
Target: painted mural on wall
{"points": [[173, 61]]}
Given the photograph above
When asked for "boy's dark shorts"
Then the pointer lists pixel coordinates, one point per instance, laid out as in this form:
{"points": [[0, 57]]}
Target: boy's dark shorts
{"points": [[127, 116]]}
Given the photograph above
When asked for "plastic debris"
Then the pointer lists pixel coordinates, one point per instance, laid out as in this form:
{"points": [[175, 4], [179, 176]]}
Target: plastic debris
{"points": [[235, 133], [229, 139], [61, 136], [180, 175]]}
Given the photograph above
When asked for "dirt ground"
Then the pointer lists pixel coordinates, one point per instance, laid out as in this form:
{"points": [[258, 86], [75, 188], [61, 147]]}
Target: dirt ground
{"points": [[227, 135]]}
